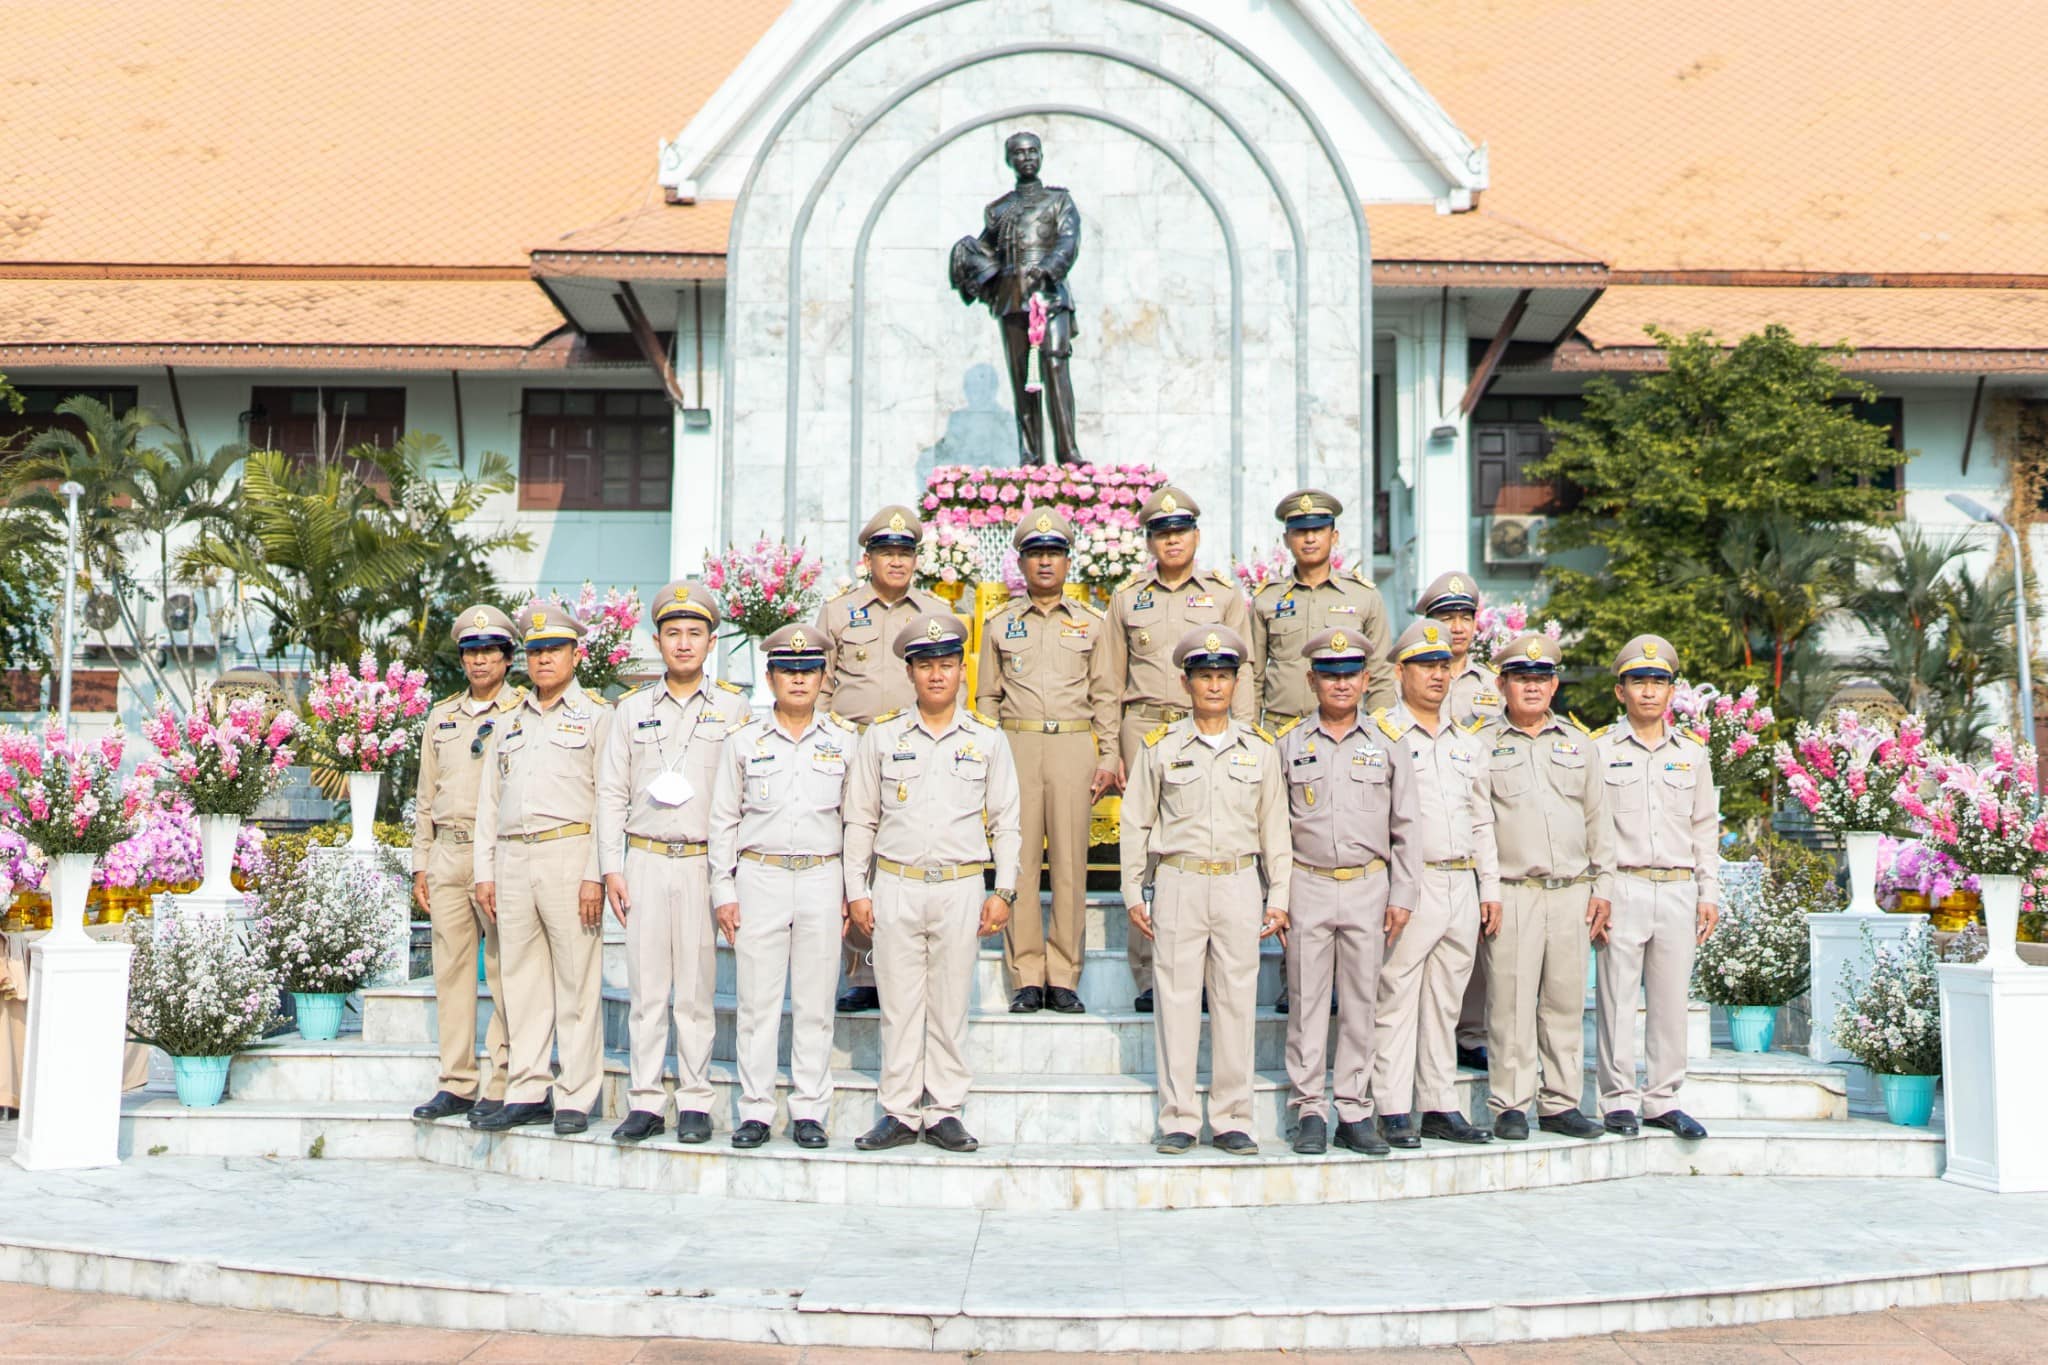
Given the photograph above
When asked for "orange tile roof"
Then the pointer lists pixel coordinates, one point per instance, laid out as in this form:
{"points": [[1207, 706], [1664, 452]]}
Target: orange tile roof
{"points": [[667, 229], [1417, 232]]}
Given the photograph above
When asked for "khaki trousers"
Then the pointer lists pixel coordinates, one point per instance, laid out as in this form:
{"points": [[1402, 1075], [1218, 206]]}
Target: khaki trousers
{"points": [[1472, 1010], [554, 974], [1336, 937], [925, 947], [789, 933], [1138, 950], [1053, 773], [1536, 999], [1421, 989], [457, 925], [671, 973], [1649, 950], [1206, 934]]}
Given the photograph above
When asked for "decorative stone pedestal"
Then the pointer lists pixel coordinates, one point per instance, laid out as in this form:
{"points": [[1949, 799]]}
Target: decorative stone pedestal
{"points": [[1837, 941], [399, 945], [1993, 1019], [71, 1088]]}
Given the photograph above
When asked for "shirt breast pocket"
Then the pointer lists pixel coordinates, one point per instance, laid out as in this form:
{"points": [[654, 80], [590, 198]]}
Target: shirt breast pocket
{"points": [[1371, 783], [510, 750], [1073, 653], [1241, 785], [1510, 777], [1202, 609], [566, 738], [1180, 790], [1682, 779], [860, 648], [1015, 656], [824, 779], [970, 770], [899, 781], [763, 788], [1624, 791], [1568, 772]]}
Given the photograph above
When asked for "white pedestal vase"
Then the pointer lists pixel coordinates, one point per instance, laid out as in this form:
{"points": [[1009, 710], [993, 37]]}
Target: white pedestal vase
{"points": [[216, 894], [362, 809], [77, 1026], [1860, 852], [1836, 941], [2001, 919], [1993, 1019]]}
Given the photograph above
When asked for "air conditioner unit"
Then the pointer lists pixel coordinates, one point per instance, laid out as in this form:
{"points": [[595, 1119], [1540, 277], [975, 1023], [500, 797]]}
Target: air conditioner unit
{"points": [[1514, 542]]}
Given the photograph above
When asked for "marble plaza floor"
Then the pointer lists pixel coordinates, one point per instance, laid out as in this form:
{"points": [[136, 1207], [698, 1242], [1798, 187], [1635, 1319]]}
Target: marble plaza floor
{"points": [[410, 1244]]}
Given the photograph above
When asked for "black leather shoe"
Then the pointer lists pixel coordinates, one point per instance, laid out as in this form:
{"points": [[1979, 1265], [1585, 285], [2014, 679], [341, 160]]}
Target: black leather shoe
{"points": [[514, 1116], [638, 1127], [858, 998], [752, 1133], [482, 1110], [1235, 1143], [1398, 1131], [1280, 1002], [1361, 1136], [1175, 1144], [1028, 1000], [693, 1126], [950, 1135], [1063, 1001], [1570, 1123], [1679, 1122], [1313, 1137], [809, 1133], [1621, 1122], [1472, 1058], [1450, 1126], [1143, 1004], [443, 1105], [1511, 1125], [570, 1122], [886, 1134]]}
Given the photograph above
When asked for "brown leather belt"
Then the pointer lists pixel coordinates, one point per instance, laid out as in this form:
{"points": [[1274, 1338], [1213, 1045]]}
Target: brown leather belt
{"points": [[948, 872], [790, 862], [662, 850], [1343, 874], [1145, 710], [1454, 865], [1544, 883], [1207, 867], [1049, 727], [1660, 874], [558, 832]]}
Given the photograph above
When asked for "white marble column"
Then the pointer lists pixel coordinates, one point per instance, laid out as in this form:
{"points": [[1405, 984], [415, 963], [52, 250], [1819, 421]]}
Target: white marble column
{"points": [[1443, 492], [697, 487]]}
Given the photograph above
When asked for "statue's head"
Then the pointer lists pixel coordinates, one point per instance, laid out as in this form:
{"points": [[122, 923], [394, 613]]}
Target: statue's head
{"points": [[1023, 153]]}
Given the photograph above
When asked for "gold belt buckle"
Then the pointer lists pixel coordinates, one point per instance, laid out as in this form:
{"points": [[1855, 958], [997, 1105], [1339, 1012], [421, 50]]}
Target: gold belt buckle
{"points": [[1052, 727]]}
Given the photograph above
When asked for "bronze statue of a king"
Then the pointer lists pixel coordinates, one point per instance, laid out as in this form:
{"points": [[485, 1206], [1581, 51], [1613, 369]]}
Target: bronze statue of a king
{"points": [[1018, 267]]}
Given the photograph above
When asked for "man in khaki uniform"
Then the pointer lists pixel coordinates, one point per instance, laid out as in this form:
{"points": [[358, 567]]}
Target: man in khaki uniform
{"points": [[536, 846], [1204, 846], [1149, 614], [931, 802], [862, 676], [1287, 613], [1544, 798], [1665, 887], [777, 886], [653, 827], [443, 870], [1351, 804], [1044, 677], [1452, 601], [1422, 982]]}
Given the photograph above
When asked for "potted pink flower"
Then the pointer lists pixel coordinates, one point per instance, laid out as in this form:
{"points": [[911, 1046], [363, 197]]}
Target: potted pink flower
{"points": [[359, 721], [1989, 819], [1849, 774], [64, 798]]}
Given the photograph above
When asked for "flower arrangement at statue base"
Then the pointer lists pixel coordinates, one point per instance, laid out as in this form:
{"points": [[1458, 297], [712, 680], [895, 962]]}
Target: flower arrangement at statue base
{"points": [[1757, 959], [327, 926], [971, 512], [1989, 820], [197, 991], [1890, 1021]]}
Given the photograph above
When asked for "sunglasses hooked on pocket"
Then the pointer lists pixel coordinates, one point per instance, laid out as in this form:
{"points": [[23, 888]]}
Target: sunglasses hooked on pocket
{"points": [[476, 746]]}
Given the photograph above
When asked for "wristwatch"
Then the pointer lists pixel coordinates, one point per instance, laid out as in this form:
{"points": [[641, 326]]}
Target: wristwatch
{"points": [[1009, 896]]}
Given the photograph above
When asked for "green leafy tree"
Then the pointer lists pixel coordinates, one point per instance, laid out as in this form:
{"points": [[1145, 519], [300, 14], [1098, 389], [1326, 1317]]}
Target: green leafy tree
{"points": [[1943, 634], [28, 565], [1688, 479]]}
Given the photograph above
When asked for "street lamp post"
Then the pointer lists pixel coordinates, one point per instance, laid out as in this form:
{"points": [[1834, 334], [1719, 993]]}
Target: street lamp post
{"points": [[1977, 511], [72, 491]]}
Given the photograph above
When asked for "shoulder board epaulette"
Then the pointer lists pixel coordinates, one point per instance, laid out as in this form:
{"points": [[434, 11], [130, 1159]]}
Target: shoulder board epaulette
{"points": [[1584, 729], [1282, 731], [638, 687], [1263, 733], [1478, 724], [980, 717], [738, 726], [1699, 734], [1260, 591], [452, 696], [1154, 735], [839, 720], [732, 687], [886, 716], [1130, 580], [1085, 605], [1387, 726], [1358, 575]]}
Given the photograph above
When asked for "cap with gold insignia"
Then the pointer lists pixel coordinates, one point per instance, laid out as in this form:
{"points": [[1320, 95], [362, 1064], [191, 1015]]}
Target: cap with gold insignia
{"points": [[1649, 656], [795, 649], [1530, 652], [1168, 510], [1424, 642], [1042, 528], [1305, 509], [895, 527], [1209, 647], [1338, 652], [481, 627], [686, 598], [549, 623], [1453, 591], [931, 636]]}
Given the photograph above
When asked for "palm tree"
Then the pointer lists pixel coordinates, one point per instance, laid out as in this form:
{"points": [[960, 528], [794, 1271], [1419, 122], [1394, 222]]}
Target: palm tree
{"points": [[1785, 580], [178, 487]]}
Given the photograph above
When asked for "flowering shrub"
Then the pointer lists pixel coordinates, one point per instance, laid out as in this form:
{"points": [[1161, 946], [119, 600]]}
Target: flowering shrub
{"points": [[1107, 553], [20, 865], [1759, 953], [1850, 773], [1273, 566], [762, 589], [607, 644], [194, 990], [1495, 626], [225, 766], [64, 796], [1732, 729], [1892, 1022], [166, 851], [1914, 865], [360, 721], [328, 923], [1102, 501], [1988, 818]]}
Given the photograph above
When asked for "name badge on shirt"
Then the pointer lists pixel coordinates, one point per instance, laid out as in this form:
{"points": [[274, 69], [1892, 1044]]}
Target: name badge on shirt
{"points": [[856, 616], [1180, 763], [1015, 629], [1284, 607], [1622, 763], [1507, 751], [1143, 601], [448, 725], [903, 755], [651, 723], [761, 760]]}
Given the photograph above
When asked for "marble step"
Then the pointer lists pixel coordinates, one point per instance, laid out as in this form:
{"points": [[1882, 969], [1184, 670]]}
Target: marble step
{"points": [[1026, 1178]]}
